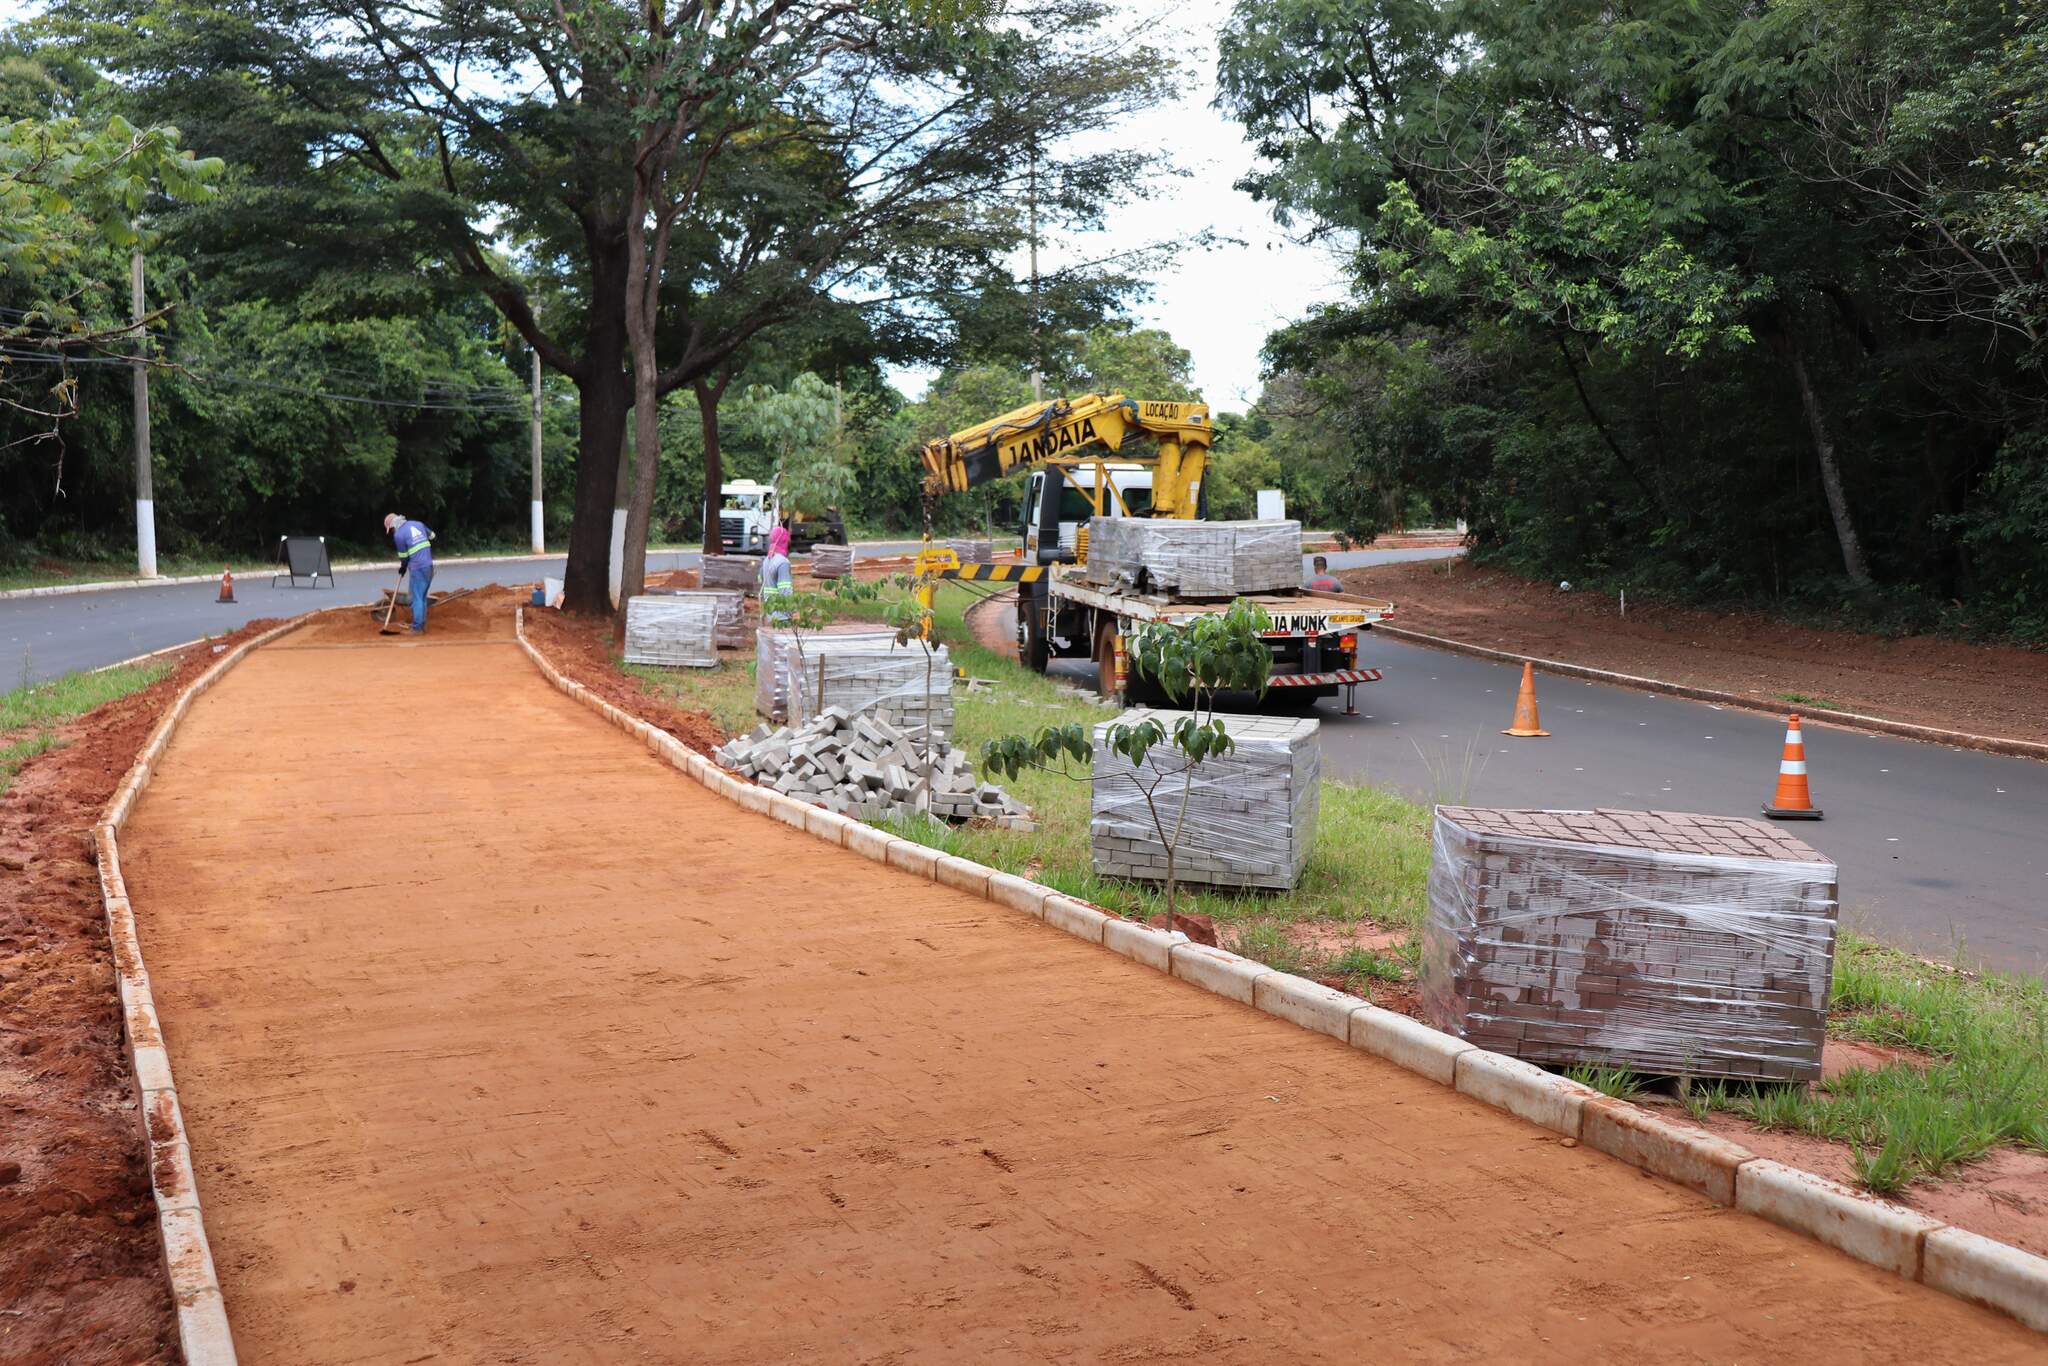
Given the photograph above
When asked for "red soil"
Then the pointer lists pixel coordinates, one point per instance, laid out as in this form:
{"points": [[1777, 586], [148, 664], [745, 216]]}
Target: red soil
{"points": [[1926, 680], [581, 647], [81, 1268]]}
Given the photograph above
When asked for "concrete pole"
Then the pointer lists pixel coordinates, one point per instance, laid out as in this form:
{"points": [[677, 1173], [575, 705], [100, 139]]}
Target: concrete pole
{"points": [[620, 498], [145, 494], [539, 535], [1037, 359]]}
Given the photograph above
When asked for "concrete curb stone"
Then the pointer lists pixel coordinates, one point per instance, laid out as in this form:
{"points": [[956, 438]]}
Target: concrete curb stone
{"points": [[1153, 948], [1965, 1265]]}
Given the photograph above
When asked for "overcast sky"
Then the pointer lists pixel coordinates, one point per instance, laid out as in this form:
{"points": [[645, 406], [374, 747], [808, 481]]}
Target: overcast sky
{"points": [[1221, 303]]}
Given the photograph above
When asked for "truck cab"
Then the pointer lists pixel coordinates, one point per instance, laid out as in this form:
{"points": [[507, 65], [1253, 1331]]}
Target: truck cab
{"points": [[748, 511]]}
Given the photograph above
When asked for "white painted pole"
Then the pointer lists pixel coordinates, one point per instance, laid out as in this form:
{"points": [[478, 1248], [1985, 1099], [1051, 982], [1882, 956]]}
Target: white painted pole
{"points": [[145, 496], [619, 500], [539, 534]]}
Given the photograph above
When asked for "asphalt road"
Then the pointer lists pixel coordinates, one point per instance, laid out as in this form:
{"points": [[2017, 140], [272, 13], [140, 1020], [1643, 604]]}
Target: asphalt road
{"points": [[1942, 850]]}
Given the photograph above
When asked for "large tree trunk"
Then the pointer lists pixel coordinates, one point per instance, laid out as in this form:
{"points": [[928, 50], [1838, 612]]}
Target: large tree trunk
{"points": [[708, 395], [1830, 469], [601, 425]]}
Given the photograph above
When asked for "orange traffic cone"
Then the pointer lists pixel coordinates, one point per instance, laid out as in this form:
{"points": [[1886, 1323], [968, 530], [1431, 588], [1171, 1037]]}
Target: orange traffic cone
{"points": [[1793, 802], [1527, 723], [227, 586]]}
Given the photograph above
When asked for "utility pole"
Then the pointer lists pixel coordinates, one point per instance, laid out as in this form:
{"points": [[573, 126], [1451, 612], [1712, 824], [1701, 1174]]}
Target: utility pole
{"points": [[1037, 353], [620, 498], [145, 497], [539, 537]]}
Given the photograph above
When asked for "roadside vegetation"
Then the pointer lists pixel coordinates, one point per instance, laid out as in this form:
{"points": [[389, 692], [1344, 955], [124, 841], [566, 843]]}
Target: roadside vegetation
{"points": [[31, 715]]}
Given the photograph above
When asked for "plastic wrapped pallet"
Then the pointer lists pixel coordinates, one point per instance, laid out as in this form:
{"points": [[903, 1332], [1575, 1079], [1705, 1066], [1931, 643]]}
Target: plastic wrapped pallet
{"points": [[1194, 559], [731, 609], [1655, 940], [1251, 813], [973, 552], [898, 683], [771, 659], [672, 631], [831, 561], [741, 572]]}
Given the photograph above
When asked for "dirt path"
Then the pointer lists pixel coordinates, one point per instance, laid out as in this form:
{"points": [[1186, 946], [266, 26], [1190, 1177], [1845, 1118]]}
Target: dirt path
{"points": [[1926, 680], [502, 1041]]}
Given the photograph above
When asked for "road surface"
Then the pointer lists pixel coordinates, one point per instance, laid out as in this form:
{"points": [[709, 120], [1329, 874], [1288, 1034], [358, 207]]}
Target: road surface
{"points": [[529, 1049]]}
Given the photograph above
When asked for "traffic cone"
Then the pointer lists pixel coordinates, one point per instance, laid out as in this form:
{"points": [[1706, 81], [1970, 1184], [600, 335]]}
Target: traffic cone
{"points": [[1527, 723], [227, 586], [1793, 802]]}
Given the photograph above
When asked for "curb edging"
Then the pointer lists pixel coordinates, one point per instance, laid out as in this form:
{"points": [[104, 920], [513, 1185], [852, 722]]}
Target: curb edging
{"points": [[1877, 1232], [1933, 735], [204, 1338]]}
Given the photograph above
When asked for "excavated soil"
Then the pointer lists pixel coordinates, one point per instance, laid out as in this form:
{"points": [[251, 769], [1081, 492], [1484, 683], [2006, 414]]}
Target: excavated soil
{"points": [[1925, 680], [581, 647], [499, 1040], [81, 1268]]}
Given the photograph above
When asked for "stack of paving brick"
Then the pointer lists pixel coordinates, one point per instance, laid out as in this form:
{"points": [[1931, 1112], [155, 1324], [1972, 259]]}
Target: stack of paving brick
{"points": [[913, 691], [679, 632], [1656, 940], [831, 561], [773, 658], [973, 552], [1251, 813], [863, 766], [1194, 559], [730, 633], [741, 572]]}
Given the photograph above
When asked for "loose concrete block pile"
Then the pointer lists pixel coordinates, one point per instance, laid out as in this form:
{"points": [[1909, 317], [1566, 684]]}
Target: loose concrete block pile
{"points": [[774, 658], [730, 632], [973, 552], [899, 683], [1661, 941], [674, 631], [1194, 559], [831, 561], [860, 765], [741, 572], [1251, 813]]}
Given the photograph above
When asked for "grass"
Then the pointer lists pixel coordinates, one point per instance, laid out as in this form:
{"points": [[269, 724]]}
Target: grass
{"points": [[1987, 1036], [1800, 699], [30, 714]]}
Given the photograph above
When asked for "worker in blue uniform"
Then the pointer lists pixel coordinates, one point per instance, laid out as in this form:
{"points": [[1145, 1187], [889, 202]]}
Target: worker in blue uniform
{"points": [[415, 563]]}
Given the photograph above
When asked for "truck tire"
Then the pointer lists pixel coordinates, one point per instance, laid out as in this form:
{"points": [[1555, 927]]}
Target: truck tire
{"points": [[1032, 647], [1105, 658]]}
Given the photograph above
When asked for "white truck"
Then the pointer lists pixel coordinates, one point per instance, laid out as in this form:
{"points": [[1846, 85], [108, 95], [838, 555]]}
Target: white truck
{"points": [[748, 511], [1314, 636]]}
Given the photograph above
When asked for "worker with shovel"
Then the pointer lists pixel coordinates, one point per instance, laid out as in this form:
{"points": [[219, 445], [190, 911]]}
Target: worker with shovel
{"points": [[415, 563]]}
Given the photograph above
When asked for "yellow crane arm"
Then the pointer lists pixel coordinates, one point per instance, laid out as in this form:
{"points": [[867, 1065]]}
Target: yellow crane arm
{"points": [[1172, 437]]}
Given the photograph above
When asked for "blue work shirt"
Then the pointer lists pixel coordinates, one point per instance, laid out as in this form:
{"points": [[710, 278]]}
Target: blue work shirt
{"points": [[415, 545]]}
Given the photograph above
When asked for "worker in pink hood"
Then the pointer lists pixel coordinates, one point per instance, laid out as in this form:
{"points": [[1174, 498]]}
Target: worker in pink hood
{"points": [[775, 580]]}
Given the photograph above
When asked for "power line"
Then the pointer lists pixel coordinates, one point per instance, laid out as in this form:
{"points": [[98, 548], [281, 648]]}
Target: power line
{"points": [[436, 396]]}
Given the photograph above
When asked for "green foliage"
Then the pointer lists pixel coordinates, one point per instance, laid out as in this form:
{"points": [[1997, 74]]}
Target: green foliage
{"points": [[1627, 284], [1620, 1082]]}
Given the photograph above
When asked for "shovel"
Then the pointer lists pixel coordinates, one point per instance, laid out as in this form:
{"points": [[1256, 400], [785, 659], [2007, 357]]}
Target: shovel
{"points": [[387, 629]]}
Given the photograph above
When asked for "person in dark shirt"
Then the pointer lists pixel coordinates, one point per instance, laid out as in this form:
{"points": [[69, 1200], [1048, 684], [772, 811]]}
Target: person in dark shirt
{"points": [[1323, 582]]}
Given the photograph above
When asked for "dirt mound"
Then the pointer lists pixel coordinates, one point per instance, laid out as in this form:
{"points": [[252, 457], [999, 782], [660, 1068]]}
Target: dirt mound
{"points": [[581, 647], [482, 614], [81, 1270], [1926, 680]]}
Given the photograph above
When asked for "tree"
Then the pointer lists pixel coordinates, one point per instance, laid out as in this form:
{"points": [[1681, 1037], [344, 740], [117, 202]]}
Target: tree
{"points": [[1191, 663]]}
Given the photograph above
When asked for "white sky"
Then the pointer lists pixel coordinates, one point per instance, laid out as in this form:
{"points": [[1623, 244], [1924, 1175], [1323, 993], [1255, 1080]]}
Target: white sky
{"points": [[1220, 303]]}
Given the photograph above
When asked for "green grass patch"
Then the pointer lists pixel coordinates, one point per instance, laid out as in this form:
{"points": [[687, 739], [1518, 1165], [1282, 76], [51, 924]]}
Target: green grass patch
{"points": [[725, 694], [1800, 699], [1620, 1082], [30, 714]]}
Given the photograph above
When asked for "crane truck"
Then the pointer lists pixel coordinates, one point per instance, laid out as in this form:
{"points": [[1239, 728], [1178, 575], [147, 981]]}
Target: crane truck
{"points": [[1111, 456]]}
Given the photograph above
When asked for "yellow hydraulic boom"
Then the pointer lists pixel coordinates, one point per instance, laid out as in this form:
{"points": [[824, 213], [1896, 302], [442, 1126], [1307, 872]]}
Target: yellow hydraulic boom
{"points": [[1173, 438]]}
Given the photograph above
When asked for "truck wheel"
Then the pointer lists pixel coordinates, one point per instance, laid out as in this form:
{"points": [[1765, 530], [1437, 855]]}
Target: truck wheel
{"points": [[1032, 647], [1105, 659]]}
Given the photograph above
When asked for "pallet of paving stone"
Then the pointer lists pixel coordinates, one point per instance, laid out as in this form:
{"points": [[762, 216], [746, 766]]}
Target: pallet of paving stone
{"points": [[730, 607], [672, 631], [1194, 559], [903, 684], [831, 561], [973, 552], [1666, 942], [738, 572], [772, 658], [1251, 813]]}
